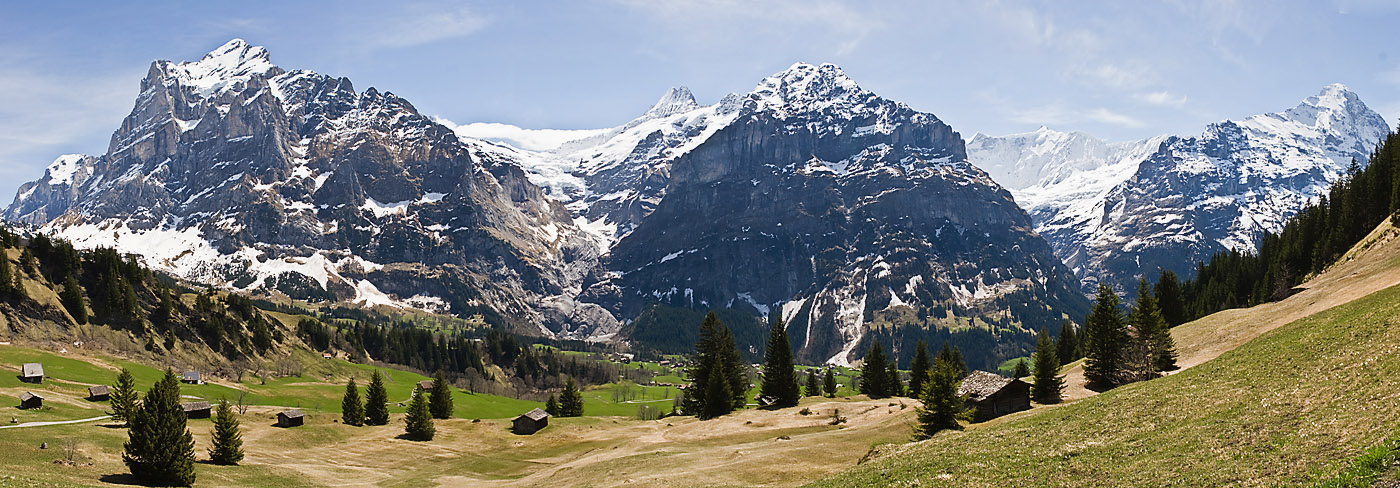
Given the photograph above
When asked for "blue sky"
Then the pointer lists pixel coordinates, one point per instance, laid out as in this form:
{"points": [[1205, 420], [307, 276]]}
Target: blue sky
{"points": [[69, 71]]}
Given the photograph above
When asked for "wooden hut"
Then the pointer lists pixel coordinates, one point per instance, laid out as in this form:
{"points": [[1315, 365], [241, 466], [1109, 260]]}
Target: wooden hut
{"points": [[191, 377], [32, 373], [290, 418], [425, 385], [99, 393], [531, 422], [994, 395], [28, 400], [196, 410]]}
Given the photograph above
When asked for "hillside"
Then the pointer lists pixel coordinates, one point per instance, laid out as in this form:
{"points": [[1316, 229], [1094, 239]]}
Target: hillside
{"points": [[1313, 382]]}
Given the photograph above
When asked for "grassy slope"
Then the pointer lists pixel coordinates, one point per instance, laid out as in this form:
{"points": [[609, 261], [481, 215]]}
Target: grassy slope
{"points": [[1286, 408]]}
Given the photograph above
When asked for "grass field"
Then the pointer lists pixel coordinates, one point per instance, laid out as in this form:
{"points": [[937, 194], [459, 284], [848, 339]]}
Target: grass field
{"points": [[1289, 407]]}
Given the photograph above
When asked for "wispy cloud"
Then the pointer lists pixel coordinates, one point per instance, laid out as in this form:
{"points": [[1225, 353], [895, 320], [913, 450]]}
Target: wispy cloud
{"points": [[848, 25], [423, 25], [1114, 118], [1162, 98]]}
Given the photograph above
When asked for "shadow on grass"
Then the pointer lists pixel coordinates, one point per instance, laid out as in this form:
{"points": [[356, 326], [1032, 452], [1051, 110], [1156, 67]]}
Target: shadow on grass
{"points": [[121, 479]]}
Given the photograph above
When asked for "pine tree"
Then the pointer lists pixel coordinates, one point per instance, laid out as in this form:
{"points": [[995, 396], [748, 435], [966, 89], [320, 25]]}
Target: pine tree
{"points": [[123, 397], [1170, 298], [918, 370], [570, 400], [552, 406], [953, 356], [1067, 346], [7, 279], [72, 298], [1154, 331], [716, 359], [27, 262], [829, 383], [873, 375], [160, 449], [893, 385], [1105, 337], [418, 423], [440, 401], [1048, 383], [1022, 369], [226, 443], [352, 410], [814, 387], [779, 377], [942, 407], [376, 401]]}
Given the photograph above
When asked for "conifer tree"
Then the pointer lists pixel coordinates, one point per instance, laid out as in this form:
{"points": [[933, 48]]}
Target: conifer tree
{"points": [[918, 370], [942, 406], [779, 377], [418, 423], [1170, 298], [160, 449], [123, 397], [552, 406], [72, 299], [814, 387], [226, 443], [953, 356], [352, 410], [1154, 331], [717, 359], [1048, 383], [376, 401], [1105, 337], [27, 262], [1067, 346], [893, 385], [440, 401], [829, 383], [873, 375], [7, 279], [570, 400], [1022, 369]]}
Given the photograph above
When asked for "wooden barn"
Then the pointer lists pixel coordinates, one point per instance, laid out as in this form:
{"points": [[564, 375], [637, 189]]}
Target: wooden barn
{"points": [[290, 418], [994, 395], [425, 385], [29, 400], [196, 410], [531, 422], [99, 393], [191, 377], [32, 373]]}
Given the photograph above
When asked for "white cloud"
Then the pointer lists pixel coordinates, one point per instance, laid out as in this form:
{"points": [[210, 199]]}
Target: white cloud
{"points": [[1122, 76], [1162, 98], [1114, 118], [529, 139], [424, 25], [846, 24]]}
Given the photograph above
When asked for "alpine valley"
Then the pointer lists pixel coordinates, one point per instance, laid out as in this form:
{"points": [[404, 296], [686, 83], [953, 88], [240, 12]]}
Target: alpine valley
{"points": [[809, 198]]}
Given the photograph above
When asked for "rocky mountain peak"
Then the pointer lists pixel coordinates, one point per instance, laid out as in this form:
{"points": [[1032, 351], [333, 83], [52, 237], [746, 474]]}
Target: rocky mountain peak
{"points": [[676, 100], [234, 61], [806, 87]]}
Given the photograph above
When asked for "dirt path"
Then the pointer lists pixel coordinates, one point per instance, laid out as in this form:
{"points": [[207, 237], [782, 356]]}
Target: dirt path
{"points": [[1372, 266], [57, 422]]}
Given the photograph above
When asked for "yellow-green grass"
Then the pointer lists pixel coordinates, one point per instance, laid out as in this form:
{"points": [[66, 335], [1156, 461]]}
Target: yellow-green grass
{"points": [[1285, 409]]}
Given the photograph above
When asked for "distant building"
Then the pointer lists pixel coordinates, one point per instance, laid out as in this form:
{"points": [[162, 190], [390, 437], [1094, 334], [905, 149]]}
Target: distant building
{"points": [[196, 410], [290, 418], [191, 377], [32, 373], [531, 422], [28, 400], [99, 393], [425, 385], [994, 395]]}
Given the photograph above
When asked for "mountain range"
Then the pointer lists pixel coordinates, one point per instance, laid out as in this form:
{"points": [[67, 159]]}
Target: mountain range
{"points": [[808, 198]]}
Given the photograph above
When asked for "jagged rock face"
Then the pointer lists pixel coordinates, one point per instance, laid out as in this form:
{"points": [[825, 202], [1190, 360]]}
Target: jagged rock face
{"points": [[1131, 209], [232, 171], [827, 204]]}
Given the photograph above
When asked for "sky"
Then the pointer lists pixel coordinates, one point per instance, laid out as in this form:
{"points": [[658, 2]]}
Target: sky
{"points": [[70, 71]]}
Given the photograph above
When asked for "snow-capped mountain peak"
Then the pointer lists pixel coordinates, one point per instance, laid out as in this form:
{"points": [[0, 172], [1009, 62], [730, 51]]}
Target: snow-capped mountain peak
{"points": [[676, 100], [806, 87], [234, 61]]}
